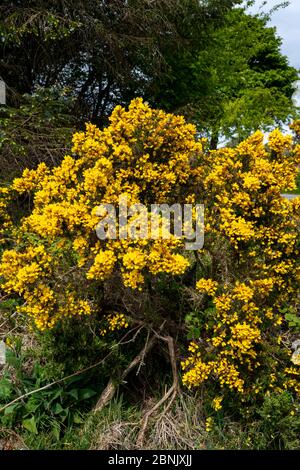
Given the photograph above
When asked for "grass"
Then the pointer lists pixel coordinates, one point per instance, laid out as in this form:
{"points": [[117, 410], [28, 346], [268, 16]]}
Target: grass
{"points": [[116, 427]]}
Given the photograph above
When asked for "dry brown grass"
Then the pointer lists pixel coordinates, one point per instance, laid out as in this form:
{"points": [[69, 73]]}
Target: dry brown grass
{"points": [[181, 427]]}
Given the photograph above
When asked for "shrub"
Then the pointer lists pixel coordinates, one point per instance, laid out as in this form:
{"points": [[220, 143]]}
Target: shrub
{"points": [[232, 292]]}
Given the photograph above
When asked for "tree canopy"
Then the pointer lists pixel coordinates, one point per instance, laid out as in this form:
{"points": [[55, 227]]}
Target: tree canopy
{"points": [[240, 82], [106, 52], [212, 61]]}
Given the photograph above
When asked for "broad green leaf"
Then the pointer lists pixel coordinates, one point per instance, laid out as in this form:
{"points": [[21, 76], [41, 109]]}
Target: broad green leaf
{"points": [[74, 393], [30, 425]]}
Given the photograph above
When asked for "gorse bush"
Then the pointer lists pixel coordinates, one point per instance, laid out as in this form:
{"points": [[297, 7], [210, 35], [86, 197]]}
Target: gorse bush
{"points": [[252, 242], [233, 292], [143, 154]]}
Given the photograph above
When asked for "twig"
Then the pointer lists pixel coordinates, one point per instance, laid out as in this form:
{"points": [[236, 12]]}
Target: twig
{"points": [[134, 336], [172, 392], [109, 391], [143, 356]]}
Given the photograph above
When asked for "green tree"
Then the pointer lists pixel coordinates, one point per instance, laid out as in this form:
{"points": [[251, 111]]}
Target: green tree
{"points": [[240, 82], [106, 51]]}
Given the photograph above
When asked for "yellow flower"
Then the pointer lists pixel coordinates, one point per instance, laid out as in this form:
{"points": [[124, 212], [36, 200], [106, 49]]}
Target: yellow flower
{"points": [[103, 265], [209, 423], [207, 285], [242, 292], [216, 403], [114, 321]]}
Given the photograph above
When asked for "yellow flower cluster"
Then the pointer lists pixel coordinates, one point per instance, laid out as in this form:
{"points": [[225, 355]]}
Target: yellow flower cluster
{"points": [[252, 241], [113, 322], [145, 155], [209, 424], [197, 373], [242, 292], [21, 270], [5, 221], [217, 403], [207, 285], [243, 337], [250, 267], [234, 336], [103, 265], [279, 143]]}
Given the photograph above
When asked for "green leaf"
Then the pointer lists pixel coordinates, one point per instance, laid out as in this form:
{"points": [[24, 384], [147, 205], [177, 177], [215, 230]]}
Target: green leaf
{"points": [[77, 419], [56, 395], [5, 389], [57, 408], [10, 409], [32, 405], [86, 393], [56, 431], [30, 425], [74, 393]]}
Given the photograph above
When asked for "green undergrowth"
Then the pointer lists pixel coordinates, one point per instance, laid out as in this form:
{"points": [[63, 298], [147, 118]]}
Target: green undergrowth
{"points": [[62, 417]]}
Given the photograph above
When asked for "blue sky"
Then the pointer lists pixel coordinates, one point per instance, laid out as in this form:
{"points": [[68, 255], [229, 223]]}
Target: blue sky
{"points": [[286, 21]]}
